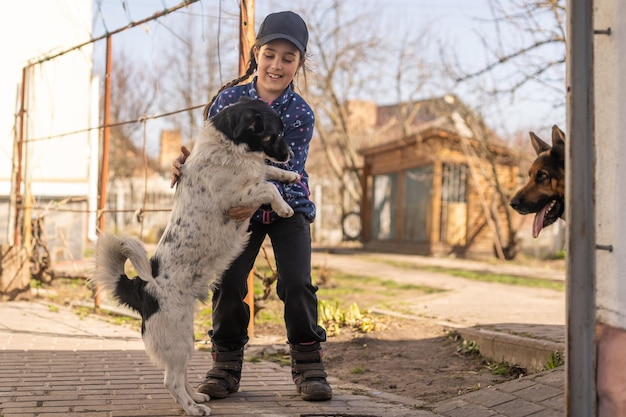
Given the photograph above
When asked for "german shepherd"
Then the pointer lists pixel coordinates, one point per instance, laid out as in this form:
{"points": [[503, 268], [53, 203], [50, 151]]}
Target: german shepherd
{"points": [[544, 194]]}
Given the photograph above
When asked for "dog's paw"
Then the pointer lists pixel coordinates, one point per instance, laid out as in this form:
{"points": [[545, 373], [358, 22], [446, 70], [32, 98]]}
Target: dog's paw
{"points": [[198, 410], [291, 177], [284, 211]]}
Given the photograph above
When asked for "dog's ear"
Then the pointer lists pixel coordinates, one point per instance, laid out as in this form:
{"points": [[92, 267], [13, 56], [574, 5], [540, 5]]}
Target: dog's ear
{"points": [[558, 137], [538, 145], [558, 144], [248, 121]]}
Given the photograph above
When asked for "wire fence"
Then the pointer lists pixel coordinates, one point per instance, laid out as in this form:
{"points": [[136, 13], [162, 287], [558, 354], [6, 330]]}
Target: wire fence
{"points": [[59, 161], [69, 184]]}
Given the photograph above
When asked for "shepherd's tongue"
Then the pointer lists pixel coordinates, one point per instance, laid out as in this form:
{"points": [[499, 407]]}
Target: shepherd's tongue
{"points": [[538, 224]]}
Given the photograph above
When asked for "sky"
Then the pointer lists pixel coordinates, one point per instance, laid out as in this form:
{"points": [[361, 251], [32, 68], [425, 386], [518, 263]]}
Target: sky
{"points": [[456, 23]]}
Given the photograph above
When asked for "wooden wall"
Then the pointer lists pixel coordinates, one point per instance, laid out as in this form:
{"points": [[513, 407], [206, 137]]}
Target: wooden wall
{"points": [[436, 149]]}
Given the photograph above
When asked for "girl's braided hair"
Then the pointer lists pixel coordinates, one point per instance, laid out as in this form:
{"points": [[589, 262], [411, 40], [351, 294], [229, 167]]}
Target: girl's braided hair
{"points": [[252, 66]]}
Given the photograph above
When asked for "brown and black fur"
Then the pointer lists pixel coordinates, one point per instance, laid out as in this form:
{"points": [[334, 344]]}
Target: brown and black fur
{"points": [[544, 193]]}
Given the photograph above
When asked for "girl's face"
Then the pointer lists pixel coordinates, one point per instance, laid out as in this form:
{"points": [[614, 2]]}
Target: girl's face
{"points": [[277, 64]]}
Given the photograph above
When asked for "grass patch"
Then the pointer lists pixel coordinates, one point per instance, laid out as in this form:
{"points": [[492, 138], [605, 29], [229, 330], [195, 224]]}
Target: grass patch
{"points": [[358, 370], [482, 275], [273, 314], [368, 292], [505, 369]]}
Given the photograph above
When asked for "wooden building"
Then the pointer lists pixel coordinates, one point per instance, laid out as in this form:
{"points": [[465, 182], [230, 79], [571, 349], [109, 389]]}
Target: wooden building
{"points": [[432, 192]]}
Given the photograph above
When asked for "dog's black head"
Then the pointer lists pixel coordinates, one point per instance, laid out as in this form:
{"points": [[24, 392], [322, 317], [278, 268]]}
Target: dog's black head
{"points": [[255, 124], [544, 194]]}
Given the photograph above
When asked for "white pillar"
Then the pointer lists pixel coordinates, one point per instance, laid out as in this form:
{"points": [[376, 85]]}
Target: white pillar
{"points": [[610, 199]]}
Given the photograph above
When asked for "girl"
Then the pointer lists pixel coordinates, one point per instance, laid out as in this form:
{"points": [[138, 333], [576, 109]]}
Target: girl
{"points": [[277, 55]]}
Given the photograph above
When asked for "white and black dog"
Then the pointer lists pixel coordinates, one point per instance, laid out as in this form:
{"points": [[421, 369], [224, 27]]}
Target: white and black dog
{"points": [[225, 169]]}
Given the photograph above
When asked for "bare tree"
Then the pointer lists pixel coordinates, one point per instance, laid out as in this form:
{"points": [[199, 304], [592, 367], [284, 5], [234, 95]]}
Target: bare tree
{"points": [[504, 232], [527, 50], [190, 68], [340, 45], [185, 76], [132, 97], [349, 52], [413, 75]]}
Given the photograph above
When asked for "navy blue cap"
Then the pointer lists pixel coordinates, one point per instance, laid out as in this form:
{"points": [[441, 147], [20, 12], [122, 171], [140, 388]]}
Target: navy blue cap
{"points": [[284, 25]]}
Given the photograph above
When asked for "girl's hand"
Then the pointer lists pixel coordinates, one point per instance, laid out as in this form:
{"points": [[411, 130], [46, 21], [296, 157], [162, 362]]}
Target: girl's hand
{"points": [[177, 163], [241, 213]]}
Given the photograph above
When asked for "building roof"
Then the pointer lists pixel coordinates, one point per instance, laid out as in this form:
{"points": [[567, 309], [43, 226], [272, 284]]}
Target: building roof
{"points": [[446, 117]]}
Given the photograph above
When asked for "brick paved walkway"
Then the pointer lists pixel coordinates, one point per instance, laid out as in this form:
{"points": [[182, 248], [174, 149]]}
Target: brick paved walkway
{"points": [[54, 363]]}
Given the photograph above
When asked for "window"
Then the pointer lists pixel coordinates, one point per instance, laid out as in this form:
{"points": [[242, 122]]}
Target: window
{"points": [[453, 204], [385, 197], [417, 189]]}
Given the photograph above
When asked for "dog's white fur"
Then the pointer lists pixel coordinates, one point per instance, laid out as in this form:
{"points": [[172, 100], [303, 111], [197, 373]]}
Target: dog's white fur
{"points": [[198, 245]]}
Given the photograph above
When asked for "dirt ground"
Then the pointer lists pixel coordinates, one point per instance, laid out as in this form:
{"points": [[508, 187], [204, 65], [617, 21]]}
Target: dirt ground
{"points": [[414, 359]]}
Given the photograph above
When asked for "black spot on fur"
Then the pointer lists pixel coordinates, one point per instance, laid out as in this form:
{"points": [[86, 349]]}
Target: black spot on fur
{"points": [[154, 263], [132, 293], [170, 236]]}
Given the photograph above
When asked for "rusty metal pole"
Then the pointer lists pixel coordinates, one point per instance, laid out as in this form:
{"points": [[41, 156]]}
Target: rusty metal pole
{"points": [[18, 174], [246, 40], [104, 169]]}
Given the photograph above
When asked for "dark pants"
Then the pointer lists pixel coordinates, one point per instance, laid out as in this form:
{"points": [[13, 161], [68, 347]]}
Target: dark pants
{"points": [[291, 241]]}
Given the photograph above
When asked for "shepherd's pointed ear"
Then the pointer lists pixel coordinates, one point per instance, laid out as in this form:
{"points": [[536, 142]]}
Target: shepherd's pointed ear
{"points": [[558, 137], [538, 145], [558, 144]]}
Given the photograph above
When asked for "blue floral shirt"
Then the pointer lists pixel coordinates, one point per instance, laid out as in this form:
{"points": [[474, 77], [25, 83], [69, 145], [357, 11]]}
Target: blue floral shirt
{"points": [[299, 121]]}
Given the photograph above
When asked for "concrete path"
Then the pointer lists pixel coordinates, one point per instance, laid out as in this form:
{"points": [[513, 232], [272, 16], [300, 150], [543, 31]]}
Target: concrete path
{"points": [[465, 302]]}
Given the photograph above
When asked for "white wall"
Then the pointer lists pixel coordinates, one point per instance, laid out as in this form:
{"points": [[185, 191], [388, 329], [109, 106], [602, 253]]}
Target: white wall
{"points": [[610, 168], [60, 98]]}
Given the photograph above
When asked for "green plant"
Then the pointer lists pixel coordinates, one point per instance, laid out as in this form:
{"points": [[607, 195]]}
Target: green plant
{"points": [[333, 318], [468, 347], [505, 369], [556, 359]]}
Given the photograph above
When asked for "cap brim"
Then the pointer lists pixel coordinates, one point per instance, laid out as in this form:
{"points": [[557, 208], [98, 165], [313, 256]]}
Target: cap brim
{"points": [[274, 36]]}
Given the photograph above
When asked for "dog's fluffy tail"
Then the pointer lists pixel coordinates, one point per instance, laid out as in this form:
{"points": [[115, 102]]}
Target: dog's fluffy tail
{"points": [[111, 255]]}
